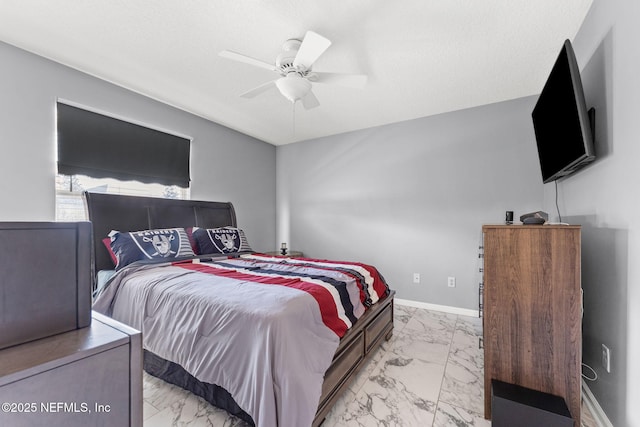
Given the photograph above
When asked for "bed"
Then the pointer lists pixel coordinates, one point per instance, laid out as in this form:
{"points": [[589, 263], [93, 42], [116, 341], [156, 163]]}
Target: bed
{"points": [[290, 355]]}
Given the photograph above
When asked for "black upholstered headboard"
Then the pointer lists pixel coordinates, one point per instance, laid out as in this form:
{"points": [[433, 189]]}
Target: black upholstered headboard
{"points": [[131, 213]]}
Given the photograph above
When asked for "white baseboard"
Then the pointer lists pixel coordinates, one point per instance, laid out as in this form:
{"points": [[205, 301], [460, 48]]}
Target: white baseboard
{"points": [[594, 407], [436, 307]]}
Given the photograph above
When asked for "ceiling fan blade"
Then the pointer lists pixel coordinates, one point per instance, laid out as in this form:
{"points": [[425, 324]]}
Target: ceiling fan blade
{"points": [[357, 81], [313, 45], [258, 90], [229, 54], [310, 101]]}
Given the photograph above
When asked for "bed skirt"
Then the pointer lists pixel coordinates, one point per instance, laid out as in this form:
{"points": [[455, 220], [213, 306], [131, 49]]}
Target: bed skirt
{"points": [[175, 374]]}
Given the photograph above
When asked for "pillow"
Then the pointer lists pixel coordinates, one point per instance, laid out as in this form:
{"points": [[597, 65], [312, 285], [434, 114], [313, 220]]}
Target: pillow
{"points": [[107, 244], [163, 244], [223, 240], [192, 241]]}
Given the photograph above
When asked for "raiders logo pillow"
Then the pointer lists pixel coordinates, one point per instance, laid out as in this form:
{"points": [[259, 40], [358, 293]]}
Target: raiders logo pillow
{"points": [[224, 240], [162, 244]]}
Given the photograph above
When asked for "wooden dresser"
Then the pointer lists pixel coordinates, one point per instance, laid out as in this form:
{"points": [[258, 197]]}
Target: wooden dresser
{"points": [[533, 310], [91, 376]]}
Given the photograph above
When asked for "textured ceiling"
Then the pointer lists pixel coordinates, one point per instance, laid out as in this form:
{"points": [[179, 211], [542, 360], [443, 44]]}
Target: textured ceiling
{"points": [[423, 57]]}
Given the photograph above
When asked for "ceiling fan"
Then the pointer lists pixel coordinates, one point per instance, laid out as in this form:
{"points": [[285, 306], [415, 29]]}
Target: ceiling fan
{"points": [[294, 65]]}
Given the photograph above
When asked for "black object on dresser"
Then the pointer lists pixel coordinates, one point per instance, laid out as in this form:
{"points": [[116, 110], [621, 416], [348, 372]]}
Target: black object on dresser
{"points": [[512, 405]]}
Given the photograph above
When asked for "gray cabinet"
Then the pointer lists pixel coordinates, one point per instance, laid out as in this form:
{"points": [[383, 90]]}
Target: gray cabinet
{"points": [[87, 377]]}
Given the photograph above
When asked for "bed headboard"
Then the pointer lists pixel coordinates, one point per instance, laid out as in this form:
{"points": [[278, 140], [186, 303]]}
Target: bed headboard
{"points": [[131, 213]]}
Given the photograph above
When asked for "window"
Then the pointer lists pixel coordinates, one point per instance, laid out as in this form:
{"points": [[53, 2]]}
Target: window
{"points": [[96, 145], [69, 203], [105, 154]]}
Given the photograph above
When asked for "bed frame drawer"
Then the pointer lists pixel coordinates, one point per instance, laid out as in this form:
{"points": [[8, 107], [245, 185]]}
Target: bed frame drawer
{"points": [[342, 365], [378, 327]]}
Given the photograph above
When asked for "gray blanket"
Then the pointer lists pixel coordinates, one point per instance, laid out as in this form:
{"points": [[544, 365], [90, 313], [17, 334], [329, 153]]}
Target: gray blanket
{"points": [[267, 345]]}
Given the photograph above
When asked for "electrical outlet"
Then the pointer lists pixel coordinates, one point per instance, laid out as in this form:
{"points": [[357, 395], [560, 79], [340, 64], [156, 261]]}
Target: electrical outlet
{"points": [[416, 277], [606, 358], [451, 282]]}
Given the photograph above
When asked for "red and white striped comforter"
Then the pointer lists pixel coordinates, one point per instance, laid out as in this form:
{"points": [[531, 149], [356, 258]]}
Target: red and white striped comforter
{"points": [[264, 328]]}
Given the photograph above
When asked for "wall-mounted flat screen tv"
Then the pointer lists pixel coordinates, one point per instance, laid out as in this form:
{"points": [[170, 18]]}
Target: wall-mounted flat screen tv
{"points": [[561, 120]]}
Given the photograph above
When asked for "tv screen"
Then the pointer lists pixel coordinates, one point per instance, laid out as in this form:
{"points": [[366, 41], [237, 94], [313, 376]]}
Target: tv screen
{"points": [[561, 120]]}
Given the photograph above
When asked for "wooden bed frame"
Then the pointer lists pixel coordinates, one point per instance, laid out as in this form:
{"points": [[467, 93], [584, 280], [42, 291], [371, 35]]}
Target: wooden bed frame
{"points": [[129, 213]]}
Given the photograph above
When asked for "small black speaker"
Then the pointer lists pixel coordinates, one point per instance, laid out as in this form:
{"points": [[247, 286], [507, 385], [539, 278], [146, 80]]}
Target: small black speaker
{"points": [[513, 405]]}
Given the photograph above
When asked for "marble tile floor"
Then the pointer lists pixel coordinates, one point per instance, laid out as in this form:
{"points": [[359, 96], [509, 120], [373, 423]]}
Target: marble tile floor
{"points": [[430, 373]]}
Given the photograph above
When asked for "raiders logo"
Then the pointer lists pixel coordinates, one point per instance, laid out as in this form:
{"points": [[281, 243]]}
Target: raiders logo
{"points": [[225, 241], [158, 243]]}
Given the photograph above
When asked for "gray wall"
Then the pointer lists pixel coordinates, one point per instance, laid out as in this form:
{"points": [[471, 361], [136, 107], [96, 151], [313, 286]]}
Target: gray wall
{"points": [[225, 165], [412, 196], [604, 199]]}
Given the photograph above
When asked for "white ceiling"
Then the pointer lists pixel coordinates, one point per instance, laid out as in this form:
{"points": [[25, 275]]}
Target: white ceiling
{"points": [[423, 57]]}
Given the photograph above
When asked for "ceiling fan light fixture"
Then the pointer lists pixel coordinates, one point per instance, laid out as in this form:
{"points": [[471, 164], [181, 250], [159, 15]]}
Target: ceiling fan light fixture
{"points": [[294, 65], [293, 87]]}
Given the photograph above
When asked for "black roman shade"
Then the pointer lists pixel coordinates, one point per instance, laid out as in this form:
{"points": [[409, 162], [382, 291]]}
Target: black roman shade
{"points": [[105, 147]]}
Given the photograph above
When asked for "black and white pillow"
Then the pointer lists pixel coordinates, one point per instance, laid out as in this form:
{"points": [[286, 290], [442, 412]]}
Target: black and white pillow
{"points": [[162, 244], [222, 240]]}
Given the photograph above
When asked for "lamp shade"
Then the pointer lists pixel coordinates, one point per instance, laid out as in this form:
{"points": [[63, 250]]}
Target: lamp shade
{"points": [[293, 87]]}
